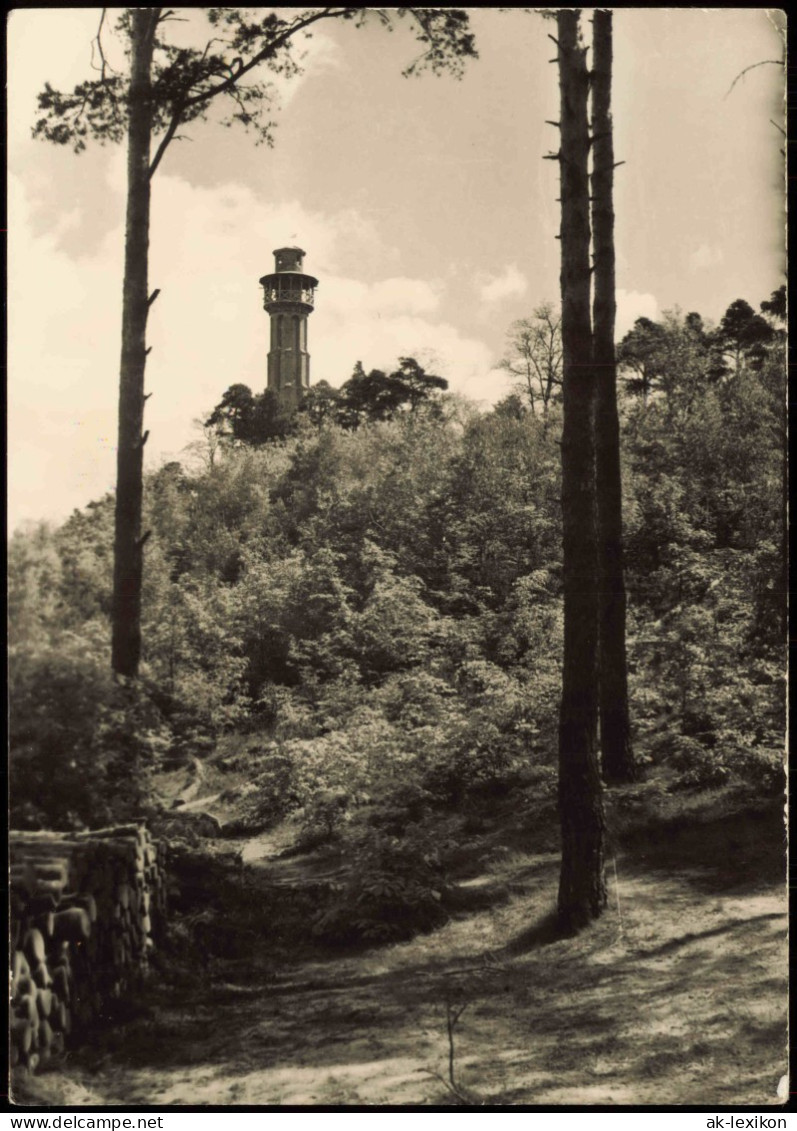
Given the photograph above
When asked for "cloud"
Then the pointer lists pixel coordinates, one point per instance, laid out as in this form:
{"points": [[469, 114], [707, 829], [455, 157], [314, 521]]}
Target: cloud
{"points": [[317, 54], [207, 329], [336, 344], [510, 284], [705, 256], [383, 299], [36, 50], [632, 305], [63, 358]]}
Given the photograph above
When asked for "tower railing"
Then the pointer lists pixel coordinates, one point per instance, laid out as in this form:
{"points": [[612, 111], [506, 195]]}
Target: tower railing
{"points": [[288, 290]]}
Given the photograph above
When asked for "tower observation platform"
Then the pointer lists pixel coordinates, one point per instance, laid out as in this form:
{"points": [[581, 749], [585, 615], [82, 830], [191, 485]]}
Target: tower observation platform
{"points": [[288, 298]]}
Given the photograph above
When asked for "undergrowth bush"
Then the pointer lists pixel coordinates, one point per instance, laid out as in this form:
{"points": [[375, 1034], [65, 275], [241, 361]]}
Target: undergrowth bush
{"points": [[271, 793], [82, 746], [728, 758], [485, 764], [697, 765], [394, 887], [761, 767], [217, 908]]}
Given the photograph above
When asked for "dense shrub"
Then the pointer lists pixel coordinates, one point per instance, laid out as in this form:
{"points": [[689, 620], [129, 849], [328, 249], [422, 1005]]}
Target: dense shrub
{"points": [[269, 794], [82, 746], [701, 767], [394, 887]]}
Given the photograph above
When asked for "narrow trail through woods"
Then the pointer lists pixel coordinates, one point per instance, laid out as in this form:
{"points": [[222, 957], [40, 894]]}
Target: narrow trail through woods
{"points": [[676, 996]]}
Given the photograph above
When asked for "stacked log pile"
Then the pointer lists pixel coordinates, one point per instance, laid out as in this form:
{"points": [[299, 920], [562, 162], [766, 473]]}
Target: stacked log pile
{"points": [[86, 909]]}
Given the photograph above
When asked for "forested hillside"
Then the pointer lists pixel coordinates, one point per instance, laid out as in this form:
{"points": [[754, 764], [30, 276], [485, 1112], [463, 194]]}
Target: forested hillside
{"points": [[373, 599], [352, 627]]}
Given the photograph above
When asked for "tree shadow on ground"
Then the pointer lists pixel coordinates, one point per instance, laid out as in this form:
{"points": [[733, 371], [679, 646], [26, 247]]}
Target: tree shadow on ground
{"points": [[597, 1018], [617, 1014], [733, 925], [739, 852], [542, 933]]}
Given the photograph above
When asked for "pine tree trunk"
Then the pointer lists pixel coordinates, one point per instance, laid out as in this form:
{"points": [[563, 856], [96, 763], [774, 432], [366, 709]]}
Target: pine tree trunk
{"points": [[582, 889], [128, 552], [617, 755]]}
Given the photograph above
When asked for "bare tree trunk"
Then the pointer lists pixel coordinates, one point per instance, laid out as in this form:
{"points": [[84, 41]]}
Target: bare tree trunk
{"points": [[785, 562], [617, 755], [582, 889], [128, 543]]}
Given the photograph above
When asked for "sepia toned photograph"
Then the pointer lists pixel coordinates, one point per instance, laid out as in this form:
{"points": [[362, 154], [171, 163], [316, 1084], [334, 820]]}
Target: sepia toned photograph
{"points": [[397, 559]]}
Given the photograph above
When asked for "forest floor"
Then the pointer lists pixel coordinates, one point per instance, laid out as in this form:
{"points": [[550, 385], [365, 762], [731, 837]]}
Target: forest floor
{"points": [[676, 996]]}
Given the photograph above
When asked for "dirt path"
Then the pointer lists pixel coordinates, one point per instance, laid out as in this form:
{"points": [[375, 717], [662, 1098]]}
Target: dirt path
{"points": [[677, 996]]}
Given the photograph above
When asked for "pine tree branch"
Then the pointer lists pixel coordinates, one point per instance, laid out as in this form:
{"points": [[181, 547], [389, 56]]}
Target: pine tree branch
{"points": [[205, 96], [168, 137], [235, 93], [104, 64], [265, 52]]}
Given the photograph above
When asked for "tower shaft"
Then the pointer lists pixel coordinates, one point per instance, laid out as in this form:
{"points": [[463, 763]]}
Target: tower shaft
{"points": [[288, 359]]}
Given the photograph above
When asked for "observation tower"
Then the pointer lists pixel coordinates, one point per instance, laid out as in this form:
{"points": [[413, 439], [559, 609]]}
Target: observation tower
{"points": [[288, 297]]}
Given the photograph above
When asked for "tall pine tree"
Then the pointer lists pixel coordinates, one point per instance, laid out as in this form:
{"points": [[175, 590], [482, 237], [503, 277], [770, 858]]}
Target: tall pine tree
{"points": [[582, 888], [617, 759]]}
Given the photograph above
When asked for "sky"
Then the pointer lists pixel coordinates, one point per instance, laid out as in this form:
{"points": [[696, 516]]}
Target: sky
{"points": [[423, 204]]}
